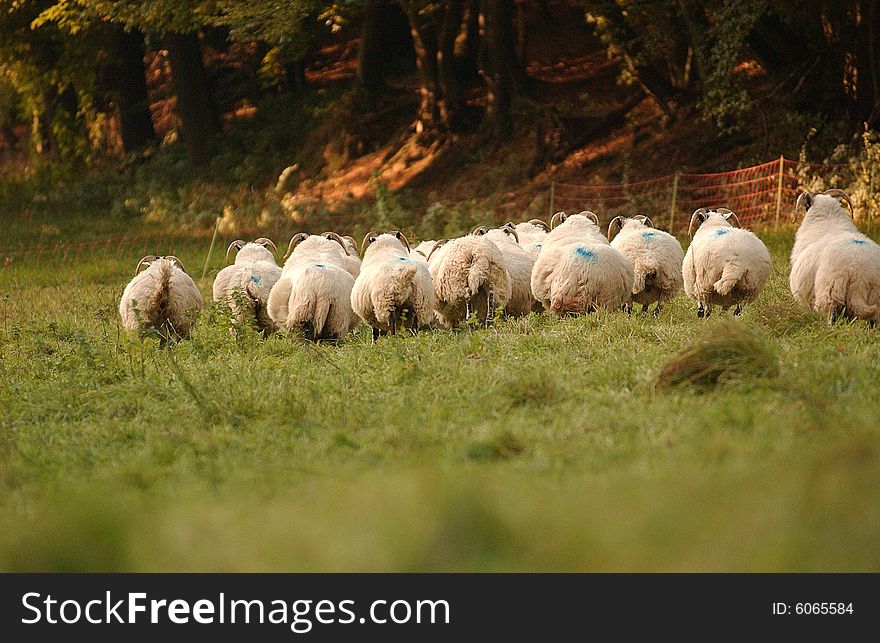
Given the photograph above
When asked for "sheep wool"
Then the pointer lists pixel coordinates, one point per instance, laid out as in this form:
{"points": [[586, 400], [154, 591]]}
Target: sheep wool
{"points": [[519, 263], [245, 285], [577, 270], [162, 298], [392, 287], [835, 269], [656, 257], [723, 266]]}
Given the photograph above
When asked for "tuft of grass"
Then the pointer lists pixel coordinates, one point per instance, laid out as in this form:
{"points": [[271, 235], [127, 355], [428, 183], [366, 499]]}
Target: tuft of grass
{"points": [[727, 352], [503, 445]]}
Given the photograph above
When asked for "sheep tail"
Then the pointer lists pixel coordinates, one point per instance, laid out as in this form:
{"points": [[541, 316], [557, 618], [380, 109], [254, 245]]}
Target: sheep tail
{"points": [[730, 276], [158, 304], [309, 307], [642, 273], [388, 301], [479, 271]]}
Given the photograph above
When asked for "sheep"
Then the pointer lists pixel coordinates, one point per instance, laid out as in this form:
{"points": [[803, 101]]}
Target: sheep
{"points": [[421, 251], [530, 234], [162, 298], [352, 260], [470, 277], [392, 286], [519, 263], [724, 265], [245, 285], [656, 257], [313, 294], [835, 269], [577, 270]]}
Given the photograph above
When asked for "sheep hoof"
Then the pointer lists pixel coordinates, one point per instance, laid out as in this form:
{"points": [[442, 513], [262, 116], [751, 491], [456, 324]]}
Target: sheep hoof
{"points": [[375, 334], [701, 312], [644, 308], [657, 310], [490, 309], [737, 311]]}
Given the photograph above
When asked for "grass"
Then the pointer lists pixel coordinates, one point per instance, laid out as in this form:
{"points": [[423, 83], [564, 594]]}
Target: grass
{"points": [[541, 444]]}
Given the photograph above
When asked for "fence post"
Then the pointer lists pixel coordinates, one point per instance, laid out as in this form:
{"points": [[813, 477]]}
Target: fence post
{"points": [[672, 207], [779, 190], [552, 199], [211, 247]]}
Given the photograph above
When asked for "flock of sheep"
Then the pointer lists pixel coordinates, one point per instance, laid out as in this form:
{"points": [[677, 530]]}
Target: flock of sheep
{"points": [[326, 287]]}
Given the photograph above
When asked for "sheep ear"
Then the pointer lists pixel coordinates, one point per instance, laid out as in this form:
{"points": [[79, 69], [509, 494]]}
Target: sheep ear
{"points": [[402, 238], [145, 262], [646, 221], [732, 215], [479, 231], [511, 232]]}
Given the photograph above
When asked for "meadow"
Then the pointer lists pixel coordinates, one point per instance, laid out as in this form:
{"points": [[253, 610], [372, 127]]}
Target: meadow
{"points": [[539, 444]]}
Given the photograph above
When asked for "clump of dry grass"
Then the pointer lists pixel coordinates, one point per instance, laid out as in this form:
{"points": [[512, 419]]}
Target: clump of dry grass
{"points": [[727, 352]]}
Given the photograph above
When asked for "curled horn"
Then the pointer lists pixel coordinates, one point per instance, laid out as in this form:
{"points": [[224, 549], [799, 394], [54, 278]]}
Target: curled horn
{"points": [[611, 223], [512, 232], [479, 230], [332, 236], [422, 253], [645, 220], [144, 261], [403, 240], [437, 244], [696, 213], [732, 215], [804, 199], [540, 223], [350, 241], [590, 215], [175, 260], [263, 241], [365, 243], [295, 240], [559, 217], [840, 194], [238, 244]]}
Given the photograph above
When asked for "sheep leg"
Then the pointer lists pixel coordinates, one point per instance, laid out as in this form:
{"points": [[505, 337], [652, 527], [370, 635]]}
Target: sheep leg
{"points": [[490, 308], [308, 331], [468, 305], [701, 312], [644, 308], [657, 309], [627, 308], [738, 310], [375, 334], [413, 323], [392, 323]]}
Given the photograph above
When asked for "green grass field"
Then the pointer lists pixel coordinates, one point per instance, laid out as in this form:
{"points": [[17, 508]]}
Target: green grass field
{"points": [[541, 444]]}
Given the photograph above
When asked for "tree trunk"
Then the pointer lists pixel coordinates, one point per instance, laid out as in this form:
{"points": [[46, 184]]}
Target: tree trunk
{"points": [[129, 87], [447, 67], [470, 55], [424, 35], [370, 72], [195, 102], [500, 65]]}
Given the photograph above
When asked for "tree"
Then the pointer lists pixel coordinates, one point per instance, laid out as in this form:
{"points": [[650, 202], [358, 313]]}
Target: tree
{"points": [[129, 89]]}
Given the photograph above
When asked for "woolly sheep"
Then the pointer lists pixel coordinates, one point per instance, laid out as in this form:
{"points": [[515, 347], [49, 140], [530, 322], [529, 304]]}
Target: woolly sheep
{"points": [[724, 266], [162, 298], [392, 286], [835, 269], [519, 263], [656, 257], [352, 260], [313, 294], [577, 270], [530, 234], [470, 277], [245, 285]]}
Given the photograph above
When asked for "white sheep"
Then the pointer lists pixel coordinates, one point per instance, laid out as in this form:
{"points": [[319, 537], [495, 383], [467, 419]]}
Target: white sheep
{"points": [[470, 277], [421, 251], [352, 260], [530, 234], [577, 270], [519, 263], [245, 285], [392, 287], [162, 298], [724, 265], [835, 269], [656, 257], [313, 294]]}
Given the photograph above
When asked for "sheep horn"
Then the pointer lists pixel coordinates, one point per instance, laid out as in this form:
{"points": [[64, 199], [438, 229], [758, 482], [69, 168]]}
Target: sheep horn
{"points": [[144, 261], [175, 260], [332, 236], [263, 241], [591, 215], [295, 240], [840, 194], [540, 223], [730, 214], [511, 224], [238, 244], [512, 232], [403, 240], [479, 230], [611, 223], [696, 213], [804, 199], [351, 241], [723, 210], [437, 244], [421, 253], [645, 220], [559, 217], [364, 243]]}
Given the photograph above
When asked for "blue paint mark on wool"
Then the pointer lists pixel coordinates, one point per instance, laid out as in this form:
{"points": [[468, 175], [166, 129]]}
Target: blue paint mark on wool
{"points": [[720, 233], [858, 242], [402, 259], [256, 279], [537, 246], [319, 265], [582, 252], [649, 235]]}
